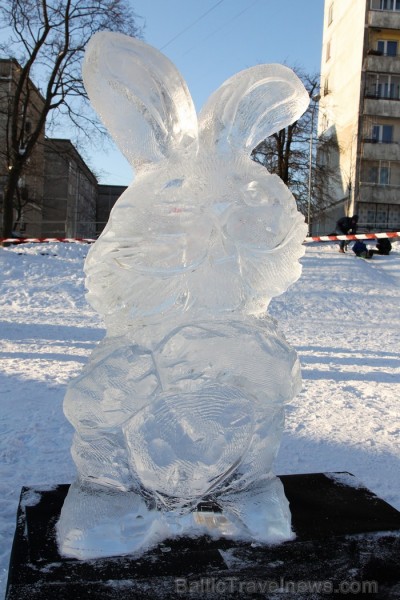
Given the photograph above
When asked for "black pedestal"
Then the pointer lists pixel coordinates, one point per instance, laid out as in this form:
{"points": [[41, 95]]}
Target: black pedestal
{"points": [[347, 543]]}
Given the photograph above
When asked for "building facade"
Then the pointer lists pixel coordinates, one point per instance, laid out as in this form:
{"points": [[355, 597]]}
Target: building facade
{"points": [[360, 111], [70, 193], [107, 195], [57, 195], [28, 200]]}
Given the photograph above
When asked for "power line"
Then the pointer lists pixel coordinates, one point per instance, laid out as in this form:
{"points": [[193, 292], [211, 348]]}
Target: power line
{"points": [[192, 24], [222, 26]]}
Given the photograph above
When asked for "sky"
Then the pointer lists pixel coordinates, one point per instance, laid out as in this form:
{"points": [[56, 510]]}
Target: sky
{"points": [[211, 40]]}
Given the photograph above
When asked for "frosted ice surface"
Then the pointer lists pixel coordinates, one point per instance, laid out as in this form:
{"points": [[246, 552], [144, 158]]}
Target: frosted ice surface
{"points": [[183, 401]]}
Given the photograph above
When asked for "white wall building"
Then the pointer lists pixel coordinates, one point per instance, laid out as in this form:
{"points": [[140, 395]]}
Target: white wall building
{"points": [[360, 110]]}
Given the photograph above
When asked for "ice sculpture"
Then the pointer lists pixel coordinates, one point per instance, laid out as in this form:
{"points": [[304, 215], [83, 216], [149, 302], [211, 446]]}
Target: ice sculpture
{"points": [[179, 413]]}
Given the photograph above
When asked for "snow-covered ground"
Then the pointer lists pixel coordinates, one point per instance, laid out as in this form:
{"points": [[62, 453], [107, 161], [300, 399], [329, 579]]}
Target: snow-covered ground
{"points": [[342, 316]]}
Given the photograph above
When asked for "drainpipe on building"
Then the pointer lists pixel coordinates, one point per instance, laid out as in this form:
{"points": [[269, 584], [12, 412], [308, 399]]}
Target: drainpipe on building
{"points": [[315, 99], [78, 184]]}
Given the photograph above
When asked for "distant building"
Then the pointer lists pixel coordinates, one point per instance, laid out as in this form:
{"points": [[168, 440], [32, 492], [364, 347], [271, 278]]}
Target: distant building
{"points": [[70, 192], [360, 110], [58, 195], [107, 195], [28, 203]]}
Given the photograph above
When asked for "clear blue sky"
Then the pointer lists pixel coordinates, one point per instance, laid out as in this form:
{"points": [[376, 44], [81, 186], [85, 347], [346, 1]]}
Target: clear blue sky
{"points": [[209, 48], [210, 40]]}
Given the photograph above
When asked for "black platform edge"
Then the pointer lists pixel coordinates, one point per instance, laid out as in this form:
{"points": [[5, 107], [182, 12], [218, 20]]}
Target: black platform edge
{"points": [[347, 543]]}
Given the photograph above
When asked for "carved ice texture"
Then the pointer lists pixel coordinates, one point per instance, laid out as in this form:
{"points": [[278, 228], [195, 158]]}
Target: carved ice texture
{"points": [[180, 411]]}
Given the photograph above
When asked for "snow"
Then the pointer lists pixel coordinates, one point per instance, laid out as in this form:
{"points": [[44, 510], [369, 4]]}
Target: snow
{"points": [[342, 317]]}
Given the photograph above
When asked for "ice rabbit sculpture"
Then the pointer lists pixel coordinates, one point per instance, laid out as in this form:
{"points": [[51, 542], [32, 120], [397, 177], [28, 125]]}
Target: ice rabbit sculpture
{"points": [[179, 413]]}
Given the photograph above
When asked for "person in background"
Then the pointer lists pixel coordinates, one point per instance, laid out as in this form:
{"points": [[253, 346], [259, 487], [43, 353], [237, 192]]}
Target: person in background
{"points": [[383, 246], [360, 249], [344, 226]]}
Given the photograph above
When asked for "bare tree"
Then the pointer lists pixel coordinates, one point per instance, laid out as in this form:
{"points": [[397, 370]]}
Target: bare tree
{"points": [[287, 154], [46, 39]]}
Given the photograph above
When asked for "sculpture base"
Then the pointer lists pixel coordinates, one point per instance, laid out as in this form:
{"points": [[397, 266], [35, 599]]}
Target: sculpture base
{"points": [[347, 541]]}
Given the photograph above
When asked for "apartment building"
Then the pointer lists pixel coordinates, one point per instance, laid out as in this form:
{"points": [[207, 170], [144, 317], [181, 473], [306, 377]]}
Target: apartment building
{"points": [[57, 192], [70, 192], [360, 112], [28, 200], [107, 195]]}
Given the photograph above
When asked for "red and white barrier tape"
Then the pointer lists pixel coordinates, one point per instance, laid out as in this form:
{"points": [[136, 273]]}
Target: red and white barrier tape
{"points": [[322, 238], [43, 240], [358, 236]]}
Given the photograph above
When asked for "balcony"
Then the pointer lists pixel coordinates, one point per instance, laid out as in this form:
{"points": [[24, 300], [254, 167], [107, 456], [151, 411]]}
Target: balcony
{"points": [[379, 63], [384, 19], [381, 194], [373, 150], [382, 107]]}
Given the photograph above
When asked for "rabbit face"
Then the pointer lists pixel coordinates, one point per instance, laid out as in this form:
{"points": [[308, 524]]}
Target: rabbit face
{"points": [[202, 227], [222, 239]]}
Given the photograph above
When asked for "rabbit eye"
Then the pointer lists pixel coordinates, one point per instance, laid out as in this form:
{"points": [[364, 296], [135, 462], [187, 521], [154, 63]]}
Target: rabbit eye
{"points": [[173, 183], [252, 187], [254, 194]]}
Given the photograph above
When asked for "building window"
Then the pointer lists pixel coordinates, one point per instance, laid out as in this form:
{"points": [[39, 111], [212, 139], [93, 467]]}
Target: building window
{"points": [[387, 47], [379, 216], [328, 51], [389, 5], [5, 70], [371, 215], [330, 14], [382, 134], [324, 122], [379, 173], [390, 88], [326, 87], [393, 216], [384, 174], [383, 86], [382, 177]]}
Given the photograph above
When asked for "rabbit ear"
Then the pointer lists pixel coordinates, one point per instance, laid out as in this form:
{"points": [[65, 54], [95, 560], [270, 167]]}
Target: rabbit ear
{"points": [[140, 96], [252, 105]]}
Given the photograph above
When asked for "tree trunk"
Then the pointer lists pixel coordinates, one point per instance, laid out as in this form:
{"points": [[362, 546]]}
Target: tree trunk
{"points": [[8, 202]]}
